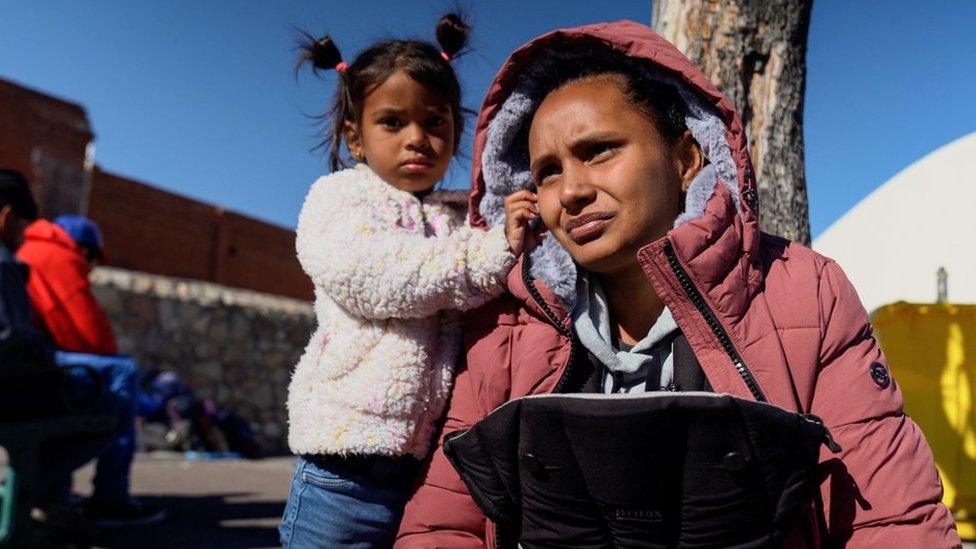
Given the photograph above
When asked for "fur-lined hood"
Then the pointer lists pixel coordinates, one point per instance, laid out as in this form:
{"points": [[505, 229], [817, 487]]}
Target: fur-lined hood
{"points": [[767, 319], [500, 164]]}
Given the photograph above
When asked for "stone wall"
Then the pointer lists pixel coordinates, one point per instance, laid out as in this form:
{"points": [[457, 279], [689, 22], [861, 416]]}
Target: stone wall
{"points": [[236, 346]]}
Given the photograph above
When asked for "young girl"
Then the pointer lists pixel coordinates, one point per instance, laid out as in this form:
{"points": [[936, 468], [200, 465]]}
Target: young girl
{"points": [[654, 276], [393, 265]]}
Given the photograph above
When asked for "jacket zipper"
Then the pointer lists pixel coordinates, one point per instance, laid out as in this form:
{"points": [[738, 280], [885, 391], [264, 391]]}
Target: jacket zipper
{"points": [[723, 337], [560, 327], [693, 294], [500, 532]]}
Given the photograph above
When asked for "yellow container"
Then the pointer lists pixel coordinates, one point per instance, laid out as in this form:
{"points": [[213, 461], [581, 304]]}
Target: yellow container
{"points": [[931, 349]]}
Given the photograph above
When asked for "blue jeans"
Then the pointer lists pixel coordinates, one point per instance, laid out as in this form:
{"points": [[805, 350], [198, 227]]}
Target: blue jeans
{"points": [[332, 507], [119, 377]]}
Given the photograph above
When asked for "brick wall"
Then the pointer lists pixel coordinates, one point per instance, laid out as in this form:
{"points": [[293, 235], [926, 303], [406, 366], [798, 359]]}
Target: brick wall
{"points": [[146, 229], [155, 231], [258, 256], [45, 138], [151, 230]]}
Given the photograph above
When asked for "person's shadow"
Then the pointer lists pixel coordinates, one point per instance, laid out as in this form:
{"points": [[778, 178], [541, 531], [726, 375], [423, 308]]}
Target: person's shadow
{"points": [[201, 521]]}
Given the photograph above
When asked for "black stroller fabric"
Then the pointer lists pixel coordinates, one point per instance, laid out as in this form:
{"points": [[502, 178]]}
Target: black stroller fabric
{"points": [[649, 470]]}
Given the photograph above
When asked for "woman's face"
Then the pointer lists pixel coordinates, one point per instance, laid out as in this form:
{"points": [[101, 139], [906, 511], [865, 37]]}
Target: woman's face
{"points": [[607, 181]]}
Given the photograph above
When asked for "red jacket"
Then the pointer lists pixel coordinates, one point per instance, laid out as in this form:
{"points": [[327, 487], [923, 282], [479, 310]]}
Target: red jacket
{"points": [[60, 293], [756, 310]]}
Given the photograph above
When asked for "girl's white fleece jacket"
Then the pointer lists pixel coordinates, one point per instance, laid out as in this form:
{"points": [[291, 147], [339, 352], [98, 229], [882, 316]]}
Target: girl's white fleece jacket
{"points": [[392, 274]]}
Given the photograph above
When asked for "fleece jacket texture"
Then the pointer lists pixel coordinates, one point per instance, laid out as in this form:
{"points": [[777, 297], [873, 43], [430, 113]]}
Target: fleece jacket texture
{"points": [[392, 274]]}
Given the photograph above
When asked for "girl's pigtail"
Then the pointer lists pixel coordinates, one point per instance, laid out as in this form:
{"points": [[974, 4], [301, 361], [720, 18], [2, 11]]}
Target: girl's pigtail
{"points": [[323, 54], [452, 35]]}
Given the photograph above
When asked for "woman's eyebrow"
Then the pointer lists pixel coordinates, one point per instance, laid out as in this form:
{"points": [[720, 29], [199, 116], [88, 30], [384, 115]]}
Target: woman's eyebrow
{"points": [[593, 137], [540, 161], [577, 143]]}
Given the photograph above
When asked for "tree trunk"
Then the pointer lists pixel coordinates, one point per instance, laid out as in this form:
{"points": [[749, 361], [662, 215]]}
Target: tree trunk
{"points": [[755, 51]]}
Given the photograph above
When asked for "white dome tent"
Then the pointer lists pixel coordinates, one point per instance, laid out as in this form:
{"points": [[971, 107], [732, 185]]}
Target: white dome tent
{"points": [[893, 242]]}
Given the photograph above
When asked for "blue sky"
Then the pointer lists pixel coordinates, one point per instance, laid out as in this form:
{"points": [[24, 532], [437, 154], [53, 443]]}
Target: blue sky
{"points": [[199, 97]]}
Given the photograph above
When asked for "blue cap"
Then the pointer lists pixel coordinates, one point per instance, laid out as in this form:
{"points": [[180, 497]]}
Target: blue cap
{"points": [[82, 230]]}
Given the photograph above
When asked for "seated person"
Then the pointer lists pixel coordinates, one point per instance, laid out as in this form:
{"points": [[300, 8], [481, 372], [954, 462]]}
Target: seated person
{"points": [[61, 255], [194, 423], [654, 277], [118, 378], [21, 345]]}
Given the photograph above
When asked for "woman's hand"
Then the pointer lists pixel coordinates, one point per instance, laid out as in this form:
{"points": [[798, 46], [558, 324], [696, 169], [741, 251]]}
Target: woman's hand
{"points": [[520, 211]]}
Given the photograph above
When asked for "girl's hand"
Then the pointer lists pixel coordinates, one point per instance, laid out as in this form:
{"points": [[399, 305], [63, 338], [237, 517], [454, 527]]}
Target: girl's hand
{"points": [[520, 211]]}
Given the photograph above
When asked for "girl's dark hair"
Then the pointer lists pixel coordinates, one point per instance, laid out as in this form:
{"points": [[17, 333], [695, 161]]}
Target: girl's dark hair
{"points": [[421, 60], [657, 100]]}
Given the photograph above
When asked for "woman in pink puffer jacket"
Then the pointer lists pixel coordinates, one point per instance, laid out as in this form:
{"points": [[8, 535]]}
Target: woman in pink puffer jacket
{"points": [[767, 319]]}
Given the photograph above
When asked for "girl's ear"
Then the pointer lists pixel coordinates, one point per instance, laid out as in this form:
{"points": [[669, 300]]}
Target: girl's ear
{"points": [[353, 137], [688, 159]]}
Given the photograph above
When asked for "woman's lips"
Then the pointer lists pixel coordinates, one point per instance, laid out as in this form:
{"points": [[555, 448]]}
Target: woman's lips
{"points": [[589, 227]]}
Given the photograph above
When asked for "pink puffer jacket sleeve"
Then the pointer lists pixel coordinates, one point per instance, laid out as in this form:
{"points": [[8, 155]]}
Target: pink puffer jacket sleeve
{"points": [[441, 512], [882, 489]]}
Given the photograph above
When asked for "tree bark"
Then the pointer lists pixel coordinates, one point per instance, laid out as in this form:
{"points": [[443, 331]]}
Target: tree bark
{"points": [[755, 51]]}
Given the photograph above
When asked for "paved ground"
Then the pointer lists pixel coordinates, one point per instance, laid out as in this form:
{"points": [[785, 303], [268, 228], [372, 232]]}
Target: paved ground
{"points": [[214, 504], [232, 504]]}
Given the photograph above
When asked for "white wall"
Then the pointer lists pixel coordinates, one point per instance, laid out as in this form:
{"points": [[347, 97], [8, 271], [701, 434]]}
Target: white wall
{"points": [[892, 243]]}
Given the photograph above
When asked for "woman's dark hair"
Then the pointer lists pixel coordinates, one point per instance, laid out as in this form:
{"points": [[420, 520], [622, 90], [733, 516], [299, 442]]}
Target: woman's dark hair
{"points": [[657, 100], [15, 191], [421, 60]]}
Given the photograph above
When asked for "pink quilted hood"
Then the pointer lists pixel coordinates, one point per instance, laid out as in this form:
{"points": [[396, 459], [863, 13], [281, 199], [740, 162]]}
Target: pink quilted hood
{"points": [[500, 166]]}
